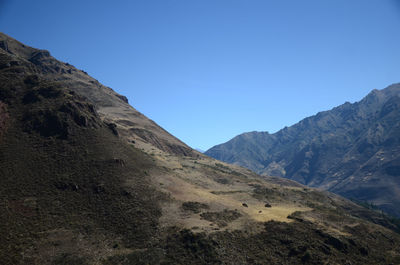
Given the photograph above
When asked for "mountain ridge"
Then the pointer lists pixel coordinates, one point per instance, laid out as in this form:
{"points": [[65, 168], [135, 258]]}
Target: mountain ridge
{"points": [[113, 106], [347, 136]]}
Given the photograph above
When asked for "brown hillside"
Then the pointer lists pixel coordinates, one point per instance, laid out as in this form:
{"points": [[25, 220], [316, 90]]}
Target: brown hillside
{"points": [[86, 179]]}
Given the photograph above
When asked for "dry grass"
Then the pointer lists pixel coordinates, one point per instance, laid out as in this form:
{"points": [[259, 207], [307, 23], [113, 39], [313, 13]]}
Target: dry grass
{"points": [[202, 180]]}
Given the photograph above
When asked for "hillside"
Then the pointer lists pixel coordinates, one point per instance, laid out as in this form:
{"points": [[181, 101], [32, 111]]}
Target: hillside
{"points": [[87, 179], [352, 150]]}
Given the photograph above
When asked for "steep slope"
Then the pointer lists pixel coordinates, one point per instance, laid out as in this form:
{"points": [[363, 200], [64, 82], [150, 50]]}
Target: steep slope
{"points": [[75, 189], [110, 105], [352, 150]]}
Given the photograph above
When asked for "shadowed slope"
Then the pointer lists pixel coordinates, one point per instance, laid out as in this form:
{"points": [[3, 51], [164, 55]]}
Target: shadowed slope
{"points": [[63, 176]]}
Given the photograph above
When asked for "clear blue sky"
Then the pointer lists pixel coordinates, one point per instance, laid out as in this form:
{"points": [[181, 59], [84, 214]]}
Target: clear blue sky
{"points": [[207, 70]]}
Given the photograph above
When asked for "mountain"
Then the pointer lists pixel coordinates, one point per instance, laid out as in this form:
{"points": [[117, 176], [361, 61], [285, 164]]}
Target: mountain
{"points": [[87, 179], [352, 150]]}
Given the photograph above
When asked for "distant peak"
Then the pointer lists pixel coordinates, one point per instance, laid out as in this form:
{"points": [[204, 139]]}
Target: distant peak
{"points": [[199, 150]]}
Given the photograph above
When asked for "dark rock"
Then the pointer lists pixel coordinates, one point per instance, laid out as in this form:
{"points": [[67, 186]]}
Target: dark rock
{"points": [[336, 243], [113, 128], [4, 45], [81, 120], [123, 98], [39, 55]]}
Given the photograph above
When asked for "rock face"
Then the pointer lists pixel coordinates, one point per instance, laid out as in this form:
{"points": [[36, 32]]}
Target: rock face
{"points": [[86, 179], [352, 150]]}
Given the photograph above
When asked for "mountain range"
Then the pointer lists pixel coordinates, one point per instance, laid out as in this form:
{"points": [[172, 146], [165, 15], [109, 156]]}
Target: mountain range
{"points": [[87, 179], [352, 150]]}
